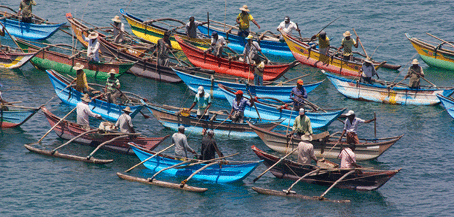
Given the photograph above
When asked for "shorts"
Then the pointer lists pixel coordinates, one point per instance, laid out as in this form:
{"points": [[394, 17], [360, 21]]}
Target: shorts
{"points": [[243, 33], [352, 138], [237, 117]]}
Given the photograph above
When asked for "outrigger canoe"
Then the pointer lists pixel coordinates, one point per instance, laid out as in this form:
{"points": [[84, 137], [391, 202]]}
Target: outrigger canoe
{"points": [[367, 149], [280, 92], [433, 55], [229, 67], [173, 119], [448, 103], [15, 116], [71, 96], [364, 180], [383, 93], [273, 112], [13, 58]]}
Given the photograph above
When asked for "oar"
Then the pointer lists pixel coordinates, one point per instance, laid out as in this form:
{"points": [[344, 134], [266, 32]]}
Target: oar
{"points": [[429, 82], [62, 119], [256, 110], [271, 167], [157, 153], [289, 190], [167, 168], [102, 144], [311, 104], [440, 39], [322, 197], [78, 136], [121, 92], [359, 40], [375, 125], [197, 171]]}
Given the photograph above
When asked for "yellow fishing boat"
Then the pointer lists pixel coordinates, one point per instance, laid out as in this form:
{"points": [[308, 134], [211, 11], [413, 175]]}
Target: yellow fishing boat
{"points": [[433, 55]]}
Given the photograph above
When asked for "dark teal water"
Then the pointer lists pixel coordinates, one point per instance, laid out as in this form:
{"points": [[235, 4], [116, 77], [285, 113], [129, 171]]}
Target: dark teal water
{"points": [[35, 185]]}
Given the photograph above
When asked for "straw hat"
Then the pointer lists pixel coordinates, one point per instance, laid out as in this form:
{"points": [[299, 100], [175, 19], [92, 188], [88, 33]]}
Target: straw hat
{"points": [[261, 66], [127, 109], [116, 19], [78, 66], [415, 62], [93, 35], [249, 36], [239, 92], [368, 60], [300, 81], [86, 98], [347, 33], [306, 137], [244, 8], [112, 71], [349, 113]]}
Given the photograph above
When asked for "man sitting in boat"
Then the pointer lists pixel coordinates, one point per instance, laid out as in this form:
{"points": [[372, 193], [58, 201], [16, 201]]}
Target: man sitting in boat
{"points": [[323, 46], [163, 47], [112, 88], [124, 122], [243, 20], [83, 112], [203, 101], [351, 126], [26, 8], [287, 26], [298, 94], [258, 73], [347, 44], [209, 147], [191, 27], [239, 104], [118, 30], [306, 150], [181, 144], [251, 49], [368, 70], [217, 45], [348, 157], [93, 46], [301, 125], [415, 72], [81, 80]]}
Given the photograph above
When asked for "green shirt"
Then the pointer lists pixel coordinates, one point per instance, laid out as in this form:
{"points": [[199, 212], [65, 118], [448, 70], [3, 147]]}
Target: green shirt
{"points": [[302, 126], [112, 84], [348, 44], [202, 102], [26, 8]]}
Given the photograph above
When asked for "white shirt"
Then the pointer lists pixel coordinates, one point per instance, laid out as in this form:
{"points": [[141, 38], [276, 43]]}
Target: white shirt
{"points": [[93, 47], [124, 123], [347, 157], [352, 127], [305, 152], [119, 31], [219, 42], [288, 27], [83, 111]]}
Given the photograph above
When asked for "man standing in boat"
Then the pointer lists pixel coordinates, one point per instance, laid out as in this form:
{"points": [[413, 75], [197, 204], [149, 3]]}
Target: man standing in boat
{"points": [[258, 73], [93, 45], [217, 45], [351, 126], [181, 144], [287, 26], [368, 71], [243, 20], [81, 80], [239, 104], [251, 49], [203, 101], [347, 44], [301, 125], [118, 30], [306, 150], [25, 9], [163, 47], [348, 157], [83, 112], [323, 46], [112, 88], [415, 72], [298, 94], [191, 27], [209, 147], [124, 122]]}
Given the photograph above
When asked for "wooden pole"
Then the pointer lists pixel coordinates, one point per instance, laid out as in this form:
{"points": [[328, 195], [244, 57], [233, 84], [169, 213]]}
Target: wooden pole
{"points": [[206, 161], [440, 39], [160, 171], [76, 137], [328, 24], [208, 20], [197, 171], [335, 183], [288, 191], [10, 34], [271, 167], [359, 40], [62, 119], [375, 125], [156, 154], [256, 110], [102, 144]]}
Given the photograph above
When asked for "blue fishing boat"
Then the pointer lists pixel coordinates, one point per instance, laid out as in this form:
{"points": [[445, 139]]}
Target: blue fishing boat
{"points": [[15, 116], [281, 93], [231, 172], [270, 111], [71, 97], [30, 31], [448, 103], [385, 93]]}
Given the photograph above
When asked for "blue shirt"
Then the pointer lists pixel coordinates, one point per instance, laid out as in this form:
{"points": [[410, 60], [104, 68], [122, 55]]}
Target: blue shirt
{"points": [[242, 105], [300, 92]]}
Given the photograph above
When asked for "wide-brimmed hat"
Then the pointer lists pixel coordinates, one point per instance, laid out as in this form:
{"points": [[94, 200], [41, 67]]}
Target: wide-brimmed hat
{"points": [[306, 137], [350, 113], [261, 66], [239, 92], [244, 8], [93, 35], [415, 62], [78, 66], [127, 109], [250, 36], [116, 19], [368, 60], [347, 33], [200, 90], [86, 98], [300, 81], [302, 111], [112, 71]]}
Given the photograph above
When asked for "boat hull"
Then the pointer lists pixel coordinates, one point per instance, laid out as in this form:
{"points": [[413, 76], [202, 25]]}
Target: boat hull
{"points": [[448, 103], [440, 58], [30, 31], [15, 118], [14, 60]]}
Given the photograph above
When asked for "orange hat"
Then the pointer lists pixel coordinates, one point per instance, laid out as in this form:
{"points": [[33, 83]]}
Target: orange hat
{"points": [[300, 82], [239, 92]]}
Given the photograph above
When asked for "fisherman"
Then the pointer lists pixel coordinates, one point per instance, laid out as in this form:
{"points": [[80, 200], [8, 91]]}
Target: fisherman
{"points": [[203, 101], [191, 27], [3, 107], [93, 46], [83, 111], [347, 44], [112, 88], [163, 47], [181, 144], [118, 30], [258, 73], [301, 125], [415, 72], [298, 94], [217, 45], [368, 70], [239, 104], [209, 147], [243, 20], [26, 8], [323, 46], [348, 157], [351, 126], [81, 80], [124, 122], [287, 26], [2, 33], [251, 49], [306, 150]]}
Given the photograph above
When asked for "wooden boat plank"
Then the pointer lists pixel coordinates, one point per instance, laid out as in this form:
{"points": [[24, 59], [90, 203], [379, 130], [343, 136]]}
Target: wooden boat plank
{"points": [[293, 195], [66, 156]]}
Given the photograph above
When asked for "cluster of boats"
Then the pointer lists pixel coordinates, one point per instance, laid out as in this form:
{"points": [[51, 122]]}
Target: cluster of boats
{"points": [[222, 76]]}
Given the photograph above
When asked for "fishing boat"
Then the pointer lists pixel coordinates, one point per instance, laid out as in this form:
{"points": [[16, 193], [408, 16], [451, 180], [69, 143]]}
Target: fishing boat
{"points": [[38, 30], [69, 130], [367, 149], [15, 115], [13, 58], [273, 112], [280, 92], [149, 31], [171, 117], [448, 103], [232, 171], [364, 180], [433, 54], [385, 93], [230, 67], [47, 59], [71, 96]]}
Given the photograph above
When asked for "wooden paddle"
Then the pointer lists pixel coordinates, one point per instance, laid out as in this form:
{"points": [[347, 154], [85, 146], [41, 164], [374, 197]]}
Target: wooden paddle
{"points": [[102, 144], [271, 167], [156, 154], [197, 171], [289, 190], [322, 197], [62, 119], [359, 40]]}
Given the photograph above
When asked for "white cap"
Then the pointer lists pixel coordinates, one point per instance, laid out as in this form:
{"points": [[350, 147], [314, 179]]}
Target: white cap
{"points": [[302, 111], [200, 90], [351, 112]]}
